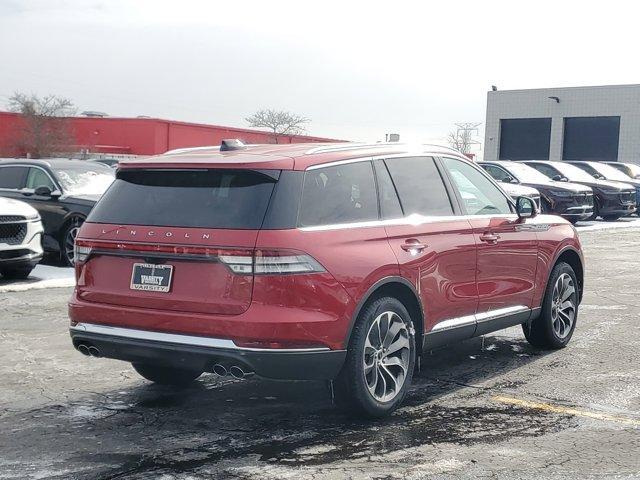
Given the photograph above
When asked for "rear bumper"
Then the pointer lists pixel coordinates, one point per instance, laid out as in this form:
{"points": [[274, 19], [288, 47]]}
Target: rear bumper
{"points": [[201, 353]]}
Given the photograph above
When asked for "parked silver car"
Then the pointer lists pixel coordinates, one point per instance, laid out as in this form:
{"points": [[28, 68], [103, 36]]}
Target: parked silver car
{"points": [[20, 238]]}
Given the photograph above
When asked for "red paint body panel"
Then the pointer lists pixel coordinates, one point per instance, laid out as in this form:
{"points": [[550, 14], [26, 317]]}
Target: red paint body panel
{"points": [[444, 273], [506, 268]]}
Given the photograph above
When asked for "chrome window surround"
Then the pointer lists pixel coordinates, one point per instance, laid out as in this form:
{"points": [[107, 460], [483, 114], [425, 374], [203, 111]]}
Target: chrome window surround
{"points": [[179, 339], [413, 219], [478, 318]]}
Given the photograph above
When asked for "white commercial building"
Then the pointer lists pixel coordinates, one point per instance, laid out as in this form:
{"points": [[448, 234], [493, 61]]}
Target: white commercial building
{"points": [[574, 123]]}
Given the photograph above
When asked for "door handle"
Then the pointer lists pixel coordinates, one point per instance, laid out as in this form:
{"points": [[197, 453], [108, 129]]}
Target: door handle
{"points": [[489, 237], [413, 246]]}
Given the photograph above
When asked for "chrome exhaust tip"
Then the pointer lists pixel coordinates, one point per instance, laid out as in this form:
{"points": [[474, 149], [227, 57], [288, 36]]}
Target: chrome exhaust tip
{"points": [[239, 372], [83, 349], [94, 352], [220, 370]]}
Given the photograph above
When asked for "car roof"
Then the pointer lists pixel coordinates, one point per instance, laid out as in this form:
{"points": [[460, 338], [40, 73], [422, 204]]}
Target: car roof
{"points": [[296, 156], [43, 162]]}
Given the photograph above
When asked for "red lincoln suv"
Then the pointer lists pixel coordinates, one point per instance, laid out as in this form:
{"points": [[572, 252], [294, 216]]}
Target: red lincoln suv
{"points": [[340, 262]]}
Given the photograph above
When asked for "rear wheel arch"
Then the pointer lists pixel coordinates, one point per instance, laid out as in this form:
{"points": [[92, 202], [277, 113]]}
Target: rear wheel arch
{"points": [[401, 289]]}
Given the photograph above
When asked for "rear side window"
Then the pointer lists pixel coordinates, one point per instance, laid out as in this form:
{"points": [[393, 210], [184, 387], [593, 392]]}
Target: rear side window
{"points": [[12, 177], [420, 186], [227, 199], [340, 194]]}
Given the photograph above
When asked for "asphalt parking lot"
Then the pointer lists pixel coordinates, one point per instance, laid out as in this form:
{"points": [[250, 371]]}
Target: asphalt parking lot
{"points": [[488, 408]]}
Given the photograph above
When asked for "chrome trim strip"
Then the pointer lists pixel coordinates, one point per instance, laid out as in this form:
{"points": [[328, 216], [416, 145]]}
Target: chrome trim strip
{"points": [[413, 219], [182, 339], [500, 312], [454, 323], [458, 322]]}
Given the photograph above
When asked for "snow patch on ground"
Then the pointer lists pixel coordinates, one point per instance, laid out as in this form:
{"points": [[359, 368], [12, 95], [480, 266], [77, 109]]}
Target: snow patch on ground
{"points": [[602, 225], [43, 276]]}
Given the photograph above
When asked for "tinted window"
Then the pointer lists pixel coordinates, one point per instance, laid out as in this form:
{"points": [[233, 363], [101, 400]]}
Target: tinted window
{"points": [[206, 198], [498, 173], [12, 177], [39, 178], [389, 202], [479, 195], [340, 194], [420, 186], [525, 138], [591, 138], [545, 169]]}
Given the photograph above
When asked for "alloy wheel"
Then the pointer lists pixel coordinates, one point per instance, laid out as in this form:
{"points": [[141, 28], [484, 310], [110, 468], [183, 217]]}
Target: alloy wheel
{"points": [[69, 241], [563, 305], [386, 356]]}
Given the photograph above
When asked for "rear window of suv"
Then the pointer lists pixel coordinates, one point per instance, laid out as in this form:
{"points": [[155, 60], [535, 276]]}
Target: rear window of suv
{"points": [[226, 199]]}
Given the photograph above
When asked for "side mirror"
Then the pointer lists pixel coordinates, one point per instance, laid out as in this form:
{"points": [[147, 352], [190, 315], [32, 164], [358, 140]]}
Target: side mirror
{"points": [[557, 178], [525, 207], [42, 191], [509, 180]]}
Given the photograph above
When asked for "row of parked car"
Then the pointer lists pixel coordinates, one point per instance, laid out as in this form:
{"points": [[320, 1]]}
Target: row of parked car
{"points": [[42, 205], [574, 190]]}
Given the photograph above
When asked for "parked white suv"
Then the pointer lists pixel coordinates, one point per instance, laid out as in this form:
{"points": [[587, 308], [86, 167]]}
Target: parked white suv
{"points": [[20, 238]]}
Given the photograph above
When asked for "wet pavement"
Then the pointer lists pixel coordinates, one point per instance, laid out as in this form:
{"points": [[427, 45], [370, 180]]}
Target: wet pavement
{"points": [[492, 407]]}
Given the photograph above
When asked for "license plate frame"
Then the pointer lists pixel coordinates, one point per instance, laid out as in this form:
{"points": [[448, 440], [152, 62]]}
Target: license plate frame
{"points": [[144, 277]]}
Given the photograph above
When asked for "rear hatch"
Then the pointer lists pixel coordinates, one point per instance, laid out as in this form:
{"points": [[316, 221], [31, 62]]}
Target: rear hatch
{"points": [[175, 239]]}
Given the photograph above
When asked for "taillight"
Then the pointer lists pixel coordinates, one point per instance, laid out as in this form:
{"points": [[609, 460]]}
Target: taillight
{"points": [[239, 261], [272, 262], [269, 262], [80, 253]]}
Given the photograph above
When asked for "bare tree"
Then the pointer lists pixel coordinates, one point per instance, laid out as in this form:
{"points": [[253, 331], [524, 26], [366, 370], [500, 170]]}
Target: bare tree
{"points": [[279, 122], [45, 130], [463, 137]]}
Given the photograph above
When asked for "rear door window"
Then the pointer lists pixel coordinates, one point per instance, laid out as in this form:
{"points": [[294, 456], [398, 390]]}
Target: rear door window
{"points": [[12, 178], [339, 194], [420, 186], [216, 198]]}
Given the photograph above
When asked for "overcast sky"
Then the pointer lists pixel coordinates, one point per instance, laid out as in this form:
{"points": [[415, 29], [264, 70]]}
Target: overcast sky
{"points": [[358, 70]]}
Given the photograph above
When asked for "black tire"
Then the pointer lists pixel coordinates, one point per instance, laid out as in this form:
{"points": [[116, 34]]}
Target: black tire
{"points": [[177, 377], [540, 332], [20, 273], [611, 218], [573, 221], [352, 389], [66, 240]]}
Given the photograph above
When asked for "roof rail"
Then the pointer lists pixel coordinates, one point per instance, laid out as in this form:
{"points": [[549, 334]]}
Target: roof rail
{"points": [[355, 146]]}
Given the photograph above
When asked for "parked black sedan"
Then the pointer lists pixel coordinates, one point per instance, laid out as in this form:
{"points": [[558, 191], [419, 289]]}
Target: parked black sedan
{"points": [[63, 191], [631, 169], [603, 171], [612, 199], [569, 200]]}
